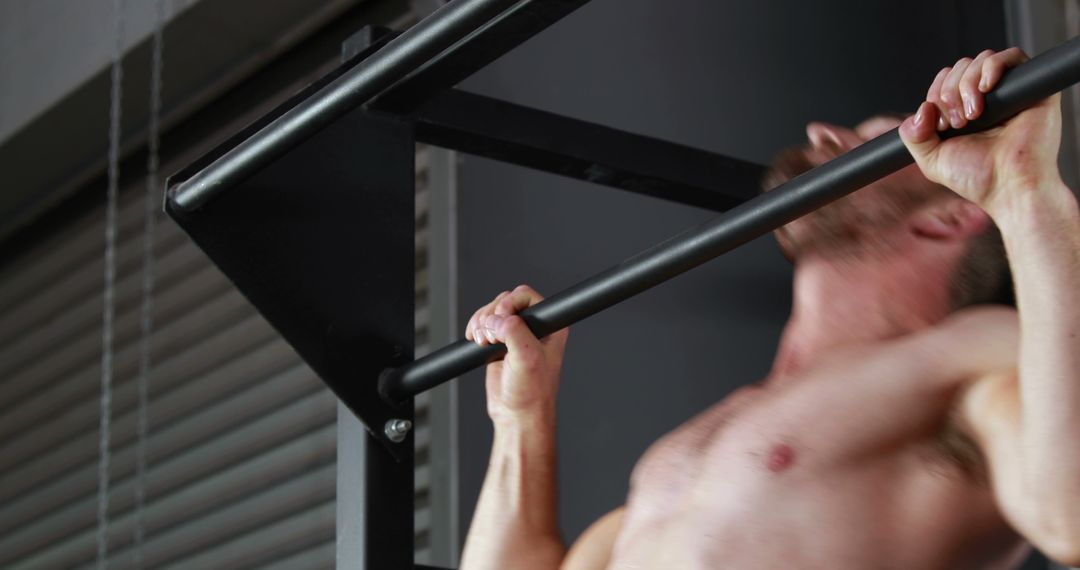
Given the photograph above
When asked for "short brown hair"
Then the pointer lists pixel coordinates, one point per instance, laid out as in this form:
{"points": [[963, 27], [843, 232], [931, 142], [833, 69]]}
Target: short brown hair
{"points": [[983, 274]]}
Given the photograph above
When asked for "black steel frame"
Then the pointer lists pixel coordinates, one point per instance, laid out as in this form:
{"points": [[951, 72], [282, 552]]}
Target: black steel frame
{"points": [[309, 211]]}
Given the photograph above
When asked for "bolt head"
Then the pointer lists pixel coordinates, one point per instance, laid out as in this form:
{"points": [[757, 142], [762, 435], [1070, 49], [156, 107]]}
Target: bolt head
{"points": [[397, 429]]}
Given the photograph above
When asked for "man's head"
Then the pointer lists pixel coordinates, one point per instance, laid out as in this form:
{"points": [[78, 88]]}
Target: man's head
{"points": [[903, 217]]}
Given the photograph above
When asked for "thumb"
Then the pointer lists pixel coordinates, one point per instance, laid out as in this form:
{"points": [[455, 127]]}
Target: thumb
{"points": [[524, 352], [919, 133]]}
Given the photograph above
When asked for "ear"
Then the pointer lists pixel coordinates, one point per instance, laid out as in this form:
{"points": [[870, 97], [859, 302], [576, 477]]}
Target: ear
{"points": [[823, 135], [950, 219]]}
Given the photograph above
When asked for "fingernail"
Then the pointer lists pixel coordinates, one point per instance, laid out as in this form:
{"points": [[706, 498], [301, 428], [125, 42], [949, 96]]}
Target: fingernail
{"points": [[920, 115], [969, 107], [490, 335], [984, 83]]}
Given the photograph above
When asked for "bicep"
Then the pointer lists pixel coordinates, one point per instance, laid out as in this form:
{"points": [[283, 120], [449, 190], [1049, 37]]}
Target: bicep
{"points": [[592, 550]]}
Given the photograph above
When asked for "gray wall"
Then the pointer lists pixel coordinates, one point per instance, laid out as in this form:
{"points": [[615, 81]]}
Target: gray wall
{"points": [[740, 78], [50, 47]]}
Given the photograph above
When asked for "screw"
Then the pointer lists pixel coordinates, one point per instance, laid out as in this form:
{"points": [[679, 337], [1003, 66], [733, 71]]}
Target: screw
{"points": [[396, 430]]}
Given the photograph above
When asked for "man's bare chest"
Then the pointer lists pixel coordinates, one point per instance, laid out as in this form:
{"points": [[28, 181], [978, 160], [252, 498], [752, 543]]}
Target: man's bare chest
{"points": [[856, 426]]}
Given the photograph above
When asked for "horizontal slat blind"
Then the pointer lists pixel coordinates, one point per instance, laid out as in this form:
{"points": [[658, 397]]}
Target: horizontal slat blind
{"points": [[241, 453]]}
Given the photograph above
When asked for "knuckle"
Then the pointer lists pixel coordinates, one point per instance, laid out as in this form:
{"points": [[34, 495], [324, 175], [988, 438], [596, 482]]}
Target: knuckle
{"points": [[519, 328], [512, 323], [528, 293]]}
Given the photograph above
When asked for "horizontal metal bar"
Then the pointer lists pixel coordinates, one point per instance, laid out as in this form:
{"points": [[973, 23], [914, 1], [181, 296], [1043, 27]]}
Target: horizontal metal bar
{"points": [[1021, 87], [400, 56], [537, 139], [509, 30]]}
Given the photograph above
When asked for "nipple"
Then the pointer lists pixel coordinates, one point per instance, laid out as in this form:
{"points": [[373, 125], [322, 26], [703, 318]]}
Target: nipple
{"points": [[781, 457]]}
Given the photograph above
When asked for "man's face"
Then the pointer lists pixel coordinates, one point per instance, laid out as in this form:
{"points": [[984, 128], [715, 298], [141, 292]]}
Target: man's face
{"points": [[859, 222]]}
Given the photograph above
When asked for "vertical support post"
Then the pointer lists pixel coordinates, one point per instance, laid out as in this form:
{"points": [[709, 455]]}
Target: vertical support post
{"points": [[375, 495]]}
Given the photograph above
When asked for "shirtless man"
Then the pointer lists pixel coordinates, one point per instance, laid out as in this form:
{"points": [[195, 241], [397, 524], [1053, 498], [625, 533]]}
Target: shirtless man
{"points": [[906, 424]]}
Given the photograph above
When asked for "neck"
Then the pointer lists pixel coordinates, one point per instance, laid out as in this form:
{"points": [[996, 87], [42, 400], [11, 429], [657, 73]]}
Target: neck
{"points": [[842, 304]]}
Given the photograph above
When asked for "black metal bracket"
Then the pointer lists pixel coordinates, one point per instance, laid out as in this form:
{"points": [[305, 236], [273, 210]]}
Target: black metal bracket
{"points": [[312, 239], [294, 240], [515, 134]]}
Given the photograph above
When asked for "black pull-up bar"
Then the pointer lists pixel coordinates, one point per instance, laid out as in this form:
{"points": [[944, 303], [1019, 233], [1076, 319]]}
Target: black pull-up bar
{"points": [[1021, 88], [401, 56]]}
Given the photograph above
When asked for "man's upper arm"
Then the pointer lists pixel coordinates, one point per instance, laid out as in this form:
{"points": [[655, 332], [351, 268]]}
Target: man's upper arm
{"points": [[989, 407], [592, 551]]}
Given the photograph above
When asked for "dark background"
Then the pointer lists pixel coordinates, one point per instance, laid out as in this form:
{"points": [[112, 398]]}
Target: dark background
{"points": [[737, 78]]}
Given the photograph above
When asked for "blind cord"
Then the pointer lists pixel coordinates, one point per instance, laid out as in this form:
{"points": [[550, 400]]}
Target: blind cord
{"points": [[108, 297], [152, 202]]}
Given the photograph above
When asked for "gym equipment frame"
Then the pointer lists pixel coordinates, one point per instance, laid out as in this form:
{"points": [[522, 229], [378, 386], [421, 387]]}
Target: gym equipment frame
{"points": [[309, 211]]}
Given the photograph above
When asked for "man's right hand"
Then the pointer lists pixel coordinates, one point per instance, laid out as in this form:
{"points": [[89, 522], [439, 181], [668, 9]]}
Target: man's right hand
{"points": [[522, 387]]}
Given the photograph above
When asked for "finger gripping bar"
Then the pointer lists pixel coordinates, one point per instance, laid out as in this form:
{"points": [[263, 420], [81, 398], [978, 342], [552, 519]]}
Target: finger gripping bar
{"points": [[1020, 88]]}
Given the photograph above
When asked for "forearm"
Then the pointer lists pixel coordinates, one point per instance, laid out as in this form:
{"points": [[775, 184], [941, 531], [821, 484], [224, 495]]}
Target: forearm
{"points": [[1041, 230], [515, 523]]}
